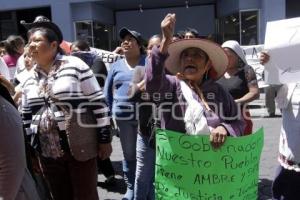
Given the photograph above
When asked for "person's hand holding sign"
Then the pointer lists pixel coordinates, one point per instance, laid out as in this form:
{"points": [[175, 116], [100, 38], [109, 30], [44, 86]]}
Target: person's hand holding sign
{"points": [[264, 58], [218, 136]]}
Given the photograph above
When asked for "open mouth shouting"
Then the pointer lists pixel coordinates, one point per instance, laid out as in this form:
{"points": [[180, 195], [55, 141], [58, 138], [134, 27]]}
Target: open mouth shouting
{"points": [[190, 69]]}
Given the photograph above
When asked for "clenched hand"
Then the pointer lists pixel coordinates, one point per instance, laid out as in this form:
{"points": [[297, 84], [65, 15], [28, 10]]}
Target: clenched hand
{"points": [[218, 136]]}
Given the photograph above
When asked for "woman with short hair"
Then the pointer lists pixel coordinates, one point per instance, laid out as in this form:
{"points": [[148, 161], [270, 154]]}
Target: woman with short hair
{"points": [[123, 108], [59, 101]]}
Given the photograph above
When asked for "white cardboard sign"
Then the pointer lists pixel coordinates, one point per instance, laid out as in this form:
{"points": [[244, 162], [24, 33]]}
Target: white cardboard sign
{"points": [[282, 43], [108, 57], [252, 53]]}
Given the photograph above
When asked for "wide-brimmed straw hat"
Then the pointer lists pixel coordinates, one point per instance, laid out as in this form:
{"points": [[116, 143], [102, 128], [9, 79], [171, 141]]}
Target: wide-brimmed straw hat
{"points": [[44, 22], [214, 51]]}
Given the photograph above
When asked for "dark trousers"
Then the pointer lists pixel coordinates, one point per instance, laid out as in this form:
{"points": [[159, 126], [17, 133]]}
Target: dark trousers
{"points": [[105, 166], [70, 179], [286, 184]]}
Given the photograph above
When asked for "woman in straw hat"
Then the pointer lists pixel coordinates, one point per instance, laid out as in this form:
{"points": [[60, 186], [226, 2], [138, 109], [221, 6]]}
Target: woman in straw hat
{"points": [[192, 103], [199, 104]]}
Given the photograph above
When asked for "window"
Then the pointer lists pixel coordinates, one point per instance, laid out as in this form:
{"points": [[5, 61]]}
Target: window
{"points": [[241, 26], [102, 35], [8, 25], [95, 33], [84, 31], [249, 28]]}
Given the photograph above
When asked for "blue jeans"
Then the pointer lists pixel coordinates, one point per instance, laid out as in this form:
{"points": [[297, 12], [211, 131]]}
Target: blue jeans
{"points": [[128, 136], [144, 181]]}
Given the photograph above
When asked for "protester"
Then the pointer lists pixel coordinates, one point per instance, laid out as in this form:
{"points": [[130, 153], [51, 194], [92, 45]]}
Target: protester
{"points": [[81, 49], [21, 77], [79, 45], [287, 177], [64, 45], [178, 35], [270, 94], [190, 99], [197, 64], [123, 110], [145, 153], [59, 102], [2, 48], [14, 46], [190, 33], [153, 41], [240, 80], [270, 91], [15, 180], [147, 122]]}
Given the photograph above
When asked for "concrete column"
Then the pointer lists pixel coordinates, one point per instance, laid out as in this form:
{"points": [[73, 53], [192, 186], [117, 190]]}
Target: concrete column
{"points": [[270, 11], [61, 15]]}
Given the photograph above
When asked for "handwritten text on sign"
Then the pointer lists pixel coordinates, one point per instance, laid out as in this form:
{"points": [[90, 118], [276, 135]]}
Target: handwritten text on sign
{"points": [[252, 54], [187, 167]]}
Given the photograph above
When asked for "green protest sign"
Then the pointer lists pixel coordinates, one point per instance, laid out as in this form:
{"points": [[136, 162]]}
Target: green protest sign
{"points": [[187, 167]]}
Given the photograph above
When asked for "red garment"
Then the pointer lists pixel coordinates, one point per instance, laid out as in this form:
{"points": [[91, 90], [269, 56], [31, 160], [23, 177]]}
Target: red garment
{"points": [[11, 60], [249, 123], [66, 46]]}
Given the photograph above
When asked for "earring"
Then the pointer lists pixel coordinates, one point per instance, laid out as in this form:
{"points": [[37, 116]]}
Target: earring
{"points": [[206, 75]]}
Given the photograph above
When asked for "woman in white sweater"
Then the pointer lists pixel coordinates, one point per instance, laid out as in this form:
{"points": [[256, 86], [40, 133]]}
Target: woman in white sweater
{"points": [[286, 183]]}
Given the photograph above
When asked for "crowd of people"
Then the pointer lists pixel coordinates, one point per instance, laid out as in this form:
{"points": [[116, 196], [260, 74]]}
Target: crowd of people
{"points": [[70, 102]]}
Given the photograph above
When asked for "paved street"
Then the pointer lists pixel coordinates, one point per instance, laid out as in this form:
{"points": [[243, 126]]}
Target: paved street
{"points": [[268, 162], [267, 165]]}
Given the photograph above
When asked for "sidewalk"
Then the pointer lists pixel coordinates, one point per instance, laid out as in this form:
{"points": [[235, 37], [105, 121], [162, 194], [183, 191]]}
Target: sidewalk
{"points": [[113, 192], [268, 161], [258, 109]]}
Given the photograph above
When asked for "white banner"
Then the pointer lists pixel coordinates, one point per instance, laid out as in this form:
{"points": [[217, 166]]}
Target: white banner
{"points": [[108, 57], [282, 43], [252, 56]]}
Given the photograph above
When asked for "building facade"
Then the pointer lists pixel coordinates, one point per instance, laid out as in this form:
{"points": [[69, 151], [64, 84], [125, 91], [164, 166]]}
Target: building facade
{"points": [[98, 21]]}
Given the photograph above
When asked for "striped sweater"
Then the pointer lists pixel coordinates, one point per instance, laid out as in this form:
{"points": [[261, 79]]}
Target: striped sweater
{"points": [[73, 85]]}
